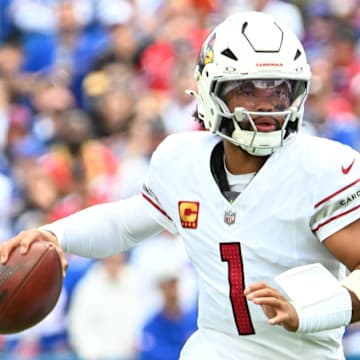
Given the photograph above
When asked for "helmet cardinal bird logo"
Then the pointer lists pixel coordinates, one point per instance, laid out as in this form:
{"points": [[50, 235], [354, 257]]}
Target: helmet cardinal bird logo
{"points": [[207, 53]]}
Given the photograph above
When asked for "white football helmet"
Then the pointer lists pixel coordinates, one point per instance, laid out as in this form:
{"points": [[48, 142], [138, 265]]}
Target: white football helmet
{"points": [[251, 46]]}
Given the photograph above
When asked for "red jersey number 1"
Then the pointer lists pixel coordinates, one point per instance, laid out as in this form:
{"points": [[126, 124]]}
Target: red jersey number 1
{"points": [[231, 253]]}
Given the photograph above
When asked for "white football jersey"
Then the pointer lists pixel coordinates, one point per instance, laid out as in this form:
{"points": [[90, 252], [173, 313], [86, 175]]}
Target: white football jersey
{"points": [[305, 192]]}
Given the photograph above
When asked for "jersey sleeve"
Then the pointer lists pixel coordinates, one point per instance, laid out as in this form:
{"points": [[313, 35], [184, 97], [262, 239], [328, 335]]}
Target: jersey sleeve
{"points": [[337, 202], [156, 186]]}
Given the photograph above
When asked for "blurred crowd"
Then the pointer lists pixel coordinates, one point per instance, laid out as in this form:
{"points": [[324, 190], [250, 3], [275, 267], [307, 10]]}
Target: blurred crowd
{"points": [[88, 88]]}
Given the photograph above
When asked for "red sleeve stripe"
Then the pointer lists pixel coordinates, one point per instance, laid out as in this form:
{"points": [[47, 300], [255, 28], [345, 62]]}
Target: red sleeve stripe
{"points": [[156, 205], [335, 217], [335, 193]]}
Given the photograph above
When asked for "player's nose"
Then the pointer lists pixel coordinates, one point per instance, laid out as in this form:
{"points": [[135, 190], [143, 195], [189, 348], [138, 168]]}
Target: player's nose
{"points": [[263, 104]]}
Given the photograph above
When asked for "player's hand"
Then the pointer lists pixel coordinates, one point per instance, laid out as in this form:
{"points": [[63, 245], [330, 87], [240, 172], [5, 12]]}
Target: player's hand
{"points": [[24, 239], [275, 306]]}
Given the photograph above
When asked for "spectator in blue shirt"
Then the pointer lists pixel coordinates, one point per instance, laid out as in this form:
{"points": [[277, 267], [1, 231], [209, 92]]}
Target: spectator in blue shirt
{"points": [[166, 332]]}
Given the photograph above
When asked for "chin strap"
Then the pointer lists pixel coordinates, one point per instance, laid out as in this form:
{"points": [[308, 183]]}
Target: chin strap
{"points": [[255, 140]]}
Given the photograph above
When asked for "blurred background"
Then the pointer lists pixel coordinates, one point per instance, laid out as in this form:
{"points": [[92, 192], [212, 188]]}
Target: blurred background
{"points": [[88, 88]]}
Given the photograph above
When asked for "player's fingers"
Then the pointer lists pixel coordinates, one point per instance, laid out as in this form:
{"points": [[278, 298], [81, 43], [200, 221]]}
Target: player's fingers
{"points": [[282, 313], [27, 238], [269, 301], [278, 319], [264, 292], [64, 267], [47, 235], [7, 247], [277, 309], [284, 319], [254, 287], [260, 293], [63, 260], [4, 254]]}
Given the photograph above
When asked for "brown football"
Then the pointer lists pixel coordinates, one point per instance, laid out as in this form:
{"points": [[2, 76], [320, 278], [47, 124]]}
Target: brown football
{"points": [[30, 286]]}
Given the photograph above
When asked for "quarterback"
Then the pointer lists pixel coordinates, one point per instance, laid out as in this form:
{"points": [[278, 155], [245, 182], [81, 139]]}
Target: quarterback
{"points": [[269, 215]]}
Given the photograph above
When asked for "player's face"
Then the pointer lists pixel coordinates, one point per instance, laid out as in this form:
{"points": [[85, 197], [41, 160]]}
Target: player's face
{"points": [[260, 96]]}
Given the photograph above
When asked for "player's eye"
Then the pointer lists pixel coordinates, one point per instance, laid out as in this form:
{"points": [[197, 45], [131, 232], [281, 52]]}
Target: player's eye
{"points": [[282, 93], [245, 90]]}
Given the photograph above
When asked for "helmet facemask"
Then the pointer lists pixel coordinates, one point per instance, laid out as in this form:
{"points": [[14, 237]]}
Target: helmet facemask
{"points": [[264, 138]]}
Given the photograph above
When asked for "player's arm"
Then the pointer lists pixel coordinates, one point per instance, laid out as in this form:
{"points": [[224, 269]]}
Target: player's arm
{"points": [[322, 302], [95, 232], [345, 246]]}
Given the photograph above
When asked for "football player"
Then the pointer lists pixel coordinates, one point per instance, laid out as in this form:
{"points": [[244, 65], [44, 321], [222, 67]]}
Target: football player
{"points": [[269, 215]]}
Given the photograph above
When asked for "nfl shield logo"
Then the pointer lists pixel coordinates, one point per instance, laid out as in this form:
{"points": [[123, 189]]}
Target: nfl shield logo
{"points": [[229, 217]]}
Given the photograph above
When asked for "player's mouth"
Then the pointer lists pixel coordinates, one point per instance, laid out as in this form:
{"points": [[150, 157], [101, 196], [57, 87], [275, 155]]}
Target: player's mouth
{"points": [[267, 124]]}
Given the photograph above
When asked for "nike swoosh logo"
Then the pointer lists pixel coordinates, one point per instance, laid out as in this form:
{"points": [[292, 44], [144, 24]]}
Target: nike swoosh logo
{"points": [[347, 169]]}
